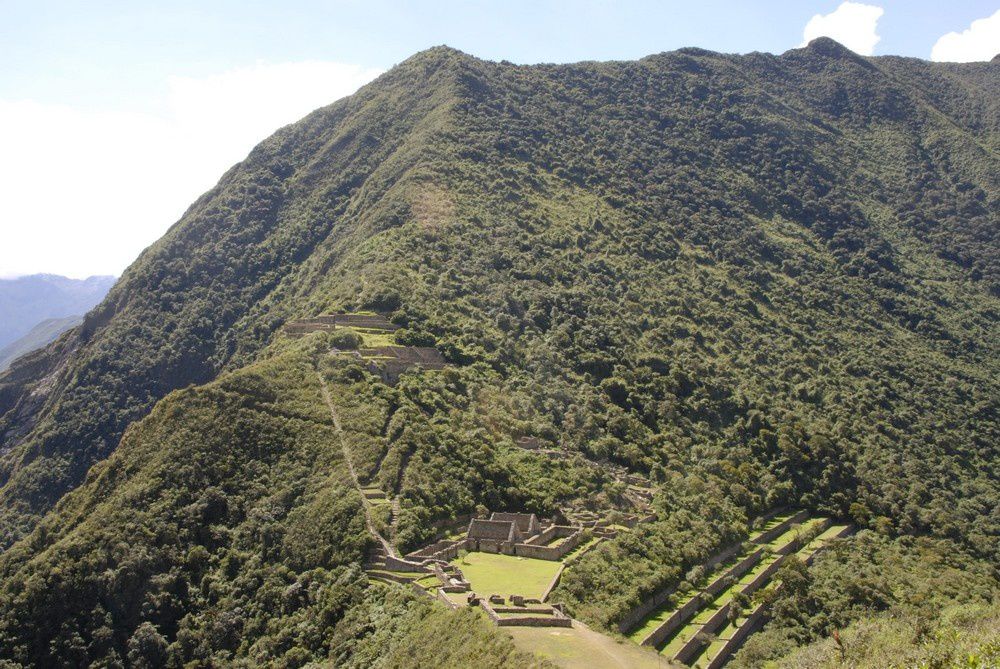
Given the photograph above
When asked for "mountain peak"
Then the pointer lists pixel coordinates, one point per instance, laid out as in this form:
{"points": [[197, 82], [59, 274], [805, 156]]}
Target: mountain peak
{"points": [[831, 48]]}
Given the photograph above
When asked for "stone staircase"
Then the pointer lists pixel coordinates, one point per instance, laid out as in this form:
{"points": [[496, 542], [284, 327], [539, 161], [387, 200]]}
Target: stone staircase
{"points": [[394, 519]]}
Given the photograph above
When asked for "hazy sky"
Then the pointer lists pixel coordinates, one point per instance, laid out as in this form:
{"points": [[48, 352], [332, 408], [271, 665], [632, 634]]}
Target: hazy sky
{"points": [[114, 116]]}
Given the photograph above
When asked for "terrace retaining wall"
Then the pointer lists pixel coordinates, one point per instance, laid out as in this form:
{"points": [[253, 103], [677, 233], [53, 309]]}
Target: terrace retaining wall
{"points": [[673, 623], [553, 583], [633, 617], [679, 617], [781, 528], [695, 644], [749, 626], [447, 602], [763, 577]]}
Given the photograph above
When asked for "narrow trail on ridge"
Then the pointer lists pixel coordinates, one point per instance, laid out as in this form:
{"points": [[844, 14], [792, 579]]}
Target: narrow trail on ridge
{"points": [[348, 456]]}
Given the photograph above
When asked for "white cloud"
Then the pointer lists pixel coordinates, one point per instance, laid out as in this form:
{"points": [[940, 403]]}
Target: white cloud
{"points": [[980, 41], [853, 24], [83, 192]]}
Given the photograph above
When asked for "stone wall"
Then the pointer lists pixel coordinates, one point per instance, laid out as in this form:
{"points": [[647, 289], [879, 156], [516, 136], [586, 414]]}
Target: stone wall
{"points": [[370, 321], [446, 601], [555, 618], [491, 546], [553, 583], [543, 537], [695, 644], [671, 624], [763, 577], [536, 621], [446, 549], [398, 564]]}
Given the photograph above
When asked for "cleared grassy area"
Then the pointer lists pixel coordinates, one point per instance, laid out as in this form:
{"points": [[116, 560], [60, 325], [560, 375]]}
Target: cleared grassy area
{"points": [[489, 573], [580, 646], [375, 338]]}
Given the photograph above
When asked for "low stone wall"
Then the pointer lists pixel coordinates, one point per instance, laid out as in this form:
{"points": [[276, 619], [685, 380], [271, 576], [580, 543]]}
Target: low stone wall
{"points": [[398, 564], [695, 644], [402, 580], [421, 591], [536, 621], [803, 539], [764, 576], [370, 321], [542, 537], [734, 572], [492, 546], [445, 550], [553, 583], [757, 617], [555, 619], [446, 601], [429, 550]]}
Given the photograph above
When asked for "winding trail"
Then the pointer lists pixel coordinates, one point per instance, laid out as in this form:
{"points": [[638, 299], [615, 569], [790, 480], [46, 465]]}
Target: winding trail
{"points": [[348, 456]]}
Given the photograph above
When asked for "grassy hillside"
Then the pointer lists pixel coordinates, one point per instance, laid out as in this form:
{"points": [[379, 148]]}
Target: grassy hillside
{"points": [[223, 529], [757, 280]]}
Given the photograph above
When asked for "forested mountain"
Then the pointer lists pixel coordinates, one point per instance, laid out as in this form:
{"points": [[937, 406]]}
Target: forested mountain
{"points": [[28, 300], [758, 280]]}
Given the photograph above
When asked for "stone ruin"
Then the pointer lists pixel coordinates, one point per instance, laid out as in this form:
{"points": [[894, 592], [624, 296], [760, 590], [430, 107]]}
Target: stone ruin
{"points": [[523, 535], [328, 322]]}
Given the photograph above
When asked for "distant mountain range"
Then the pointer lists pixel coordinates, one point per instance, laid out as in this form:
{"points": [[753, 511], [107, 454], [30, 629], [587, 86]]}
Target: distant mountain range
{"points": [[27, 301], [40, 335]]}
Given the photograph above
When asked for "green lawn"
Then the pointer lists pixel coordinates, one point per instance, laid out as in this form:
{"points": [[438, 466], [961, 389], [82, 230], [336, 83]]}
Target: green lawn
{"points": [[579, 646], [507, 574], [375, 338]]}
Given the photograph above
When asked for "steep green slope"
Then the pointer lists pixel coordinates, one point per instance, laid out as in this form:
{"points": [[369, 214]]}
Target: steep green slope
{"points": [[189, 303], [759, 280], [224, 529]]}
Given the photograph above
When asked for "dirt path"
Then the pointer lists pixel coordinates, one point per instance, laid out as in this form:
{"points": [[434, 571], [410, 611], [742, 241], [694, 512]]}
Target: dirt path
{"points": [[348, 457]]}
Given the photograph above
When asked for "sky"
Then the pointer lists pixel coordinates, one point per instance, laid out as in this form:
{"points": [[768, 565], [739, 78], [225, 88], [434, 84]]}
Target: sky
{"points": [[115, 116]]}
